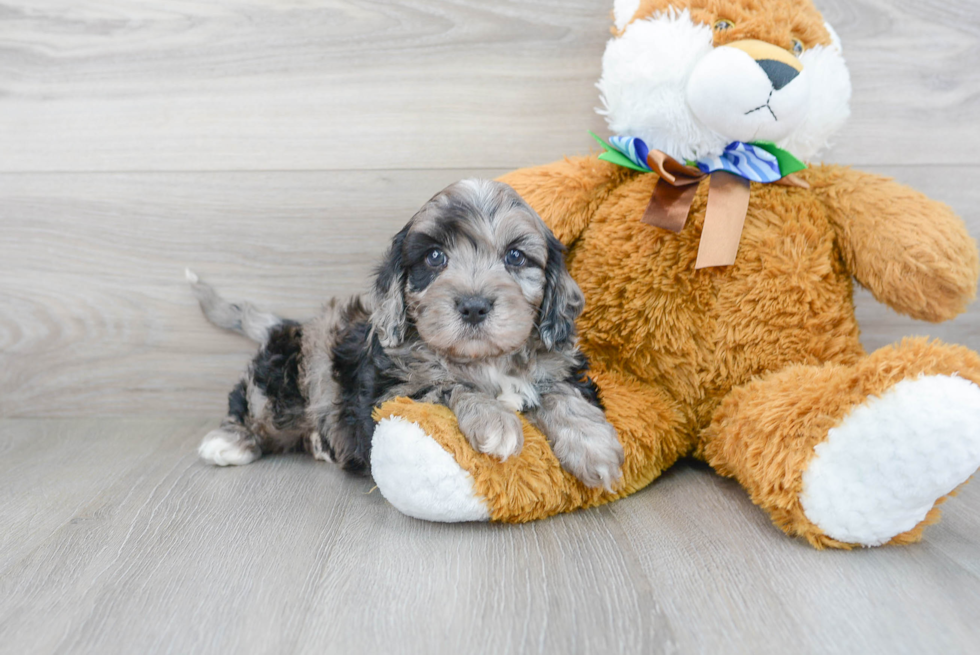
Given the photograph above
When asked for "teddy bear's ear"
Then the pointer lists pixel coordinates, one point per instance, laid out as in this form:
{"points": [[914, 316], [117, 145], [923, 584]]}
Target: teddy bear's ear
{"points": [[388, 317], [563, 300], [623, 11]]}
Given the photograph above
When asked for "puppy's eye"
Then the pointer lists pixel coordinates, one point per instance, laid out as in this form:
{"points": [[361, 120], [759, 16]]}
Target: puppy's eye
{"points": [[723, 24], [515, 257], [435, 258], [798, 47]]}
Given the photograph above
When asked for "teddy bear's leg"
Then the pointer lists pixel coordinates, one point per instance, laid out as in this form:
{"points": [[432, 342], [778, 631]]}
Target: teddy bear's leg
{"points": [[854, 455], [426, 468]]}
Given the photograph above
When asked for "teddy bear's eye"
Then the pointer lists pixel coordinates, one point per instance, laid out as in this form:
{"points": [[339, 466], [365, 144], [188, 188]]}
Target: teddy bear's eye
{"points": [[798, 47], [723, 24]]}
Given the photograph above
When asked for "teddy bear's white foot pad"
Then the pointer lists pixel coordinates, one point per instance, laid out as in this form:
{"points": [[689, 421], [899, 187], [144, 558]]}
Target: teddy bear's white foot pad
{"points": [[418, 476], [882, 469]]}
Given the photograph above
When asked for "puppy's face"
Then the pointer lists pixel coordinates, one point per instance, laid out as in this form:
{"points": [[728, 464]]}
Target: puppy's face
{"points": [[476, 271]]}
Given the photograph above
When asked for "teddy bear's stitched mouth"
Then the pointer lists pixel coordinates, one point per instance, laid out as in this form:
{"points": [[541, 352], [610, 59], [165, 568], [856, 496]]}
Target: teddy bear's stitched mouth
{"points": [[765, 106]]}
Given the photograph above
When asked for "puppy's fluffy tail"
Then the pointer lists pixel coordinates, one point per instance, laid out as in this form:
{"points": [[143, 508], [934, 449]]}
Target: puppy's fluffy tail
{"points": [[243, 318]]}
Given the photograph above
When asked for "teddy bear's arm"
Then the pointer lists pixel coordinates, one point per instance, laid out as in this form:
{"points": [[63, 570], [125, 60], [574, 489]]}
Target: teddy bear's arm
{"points": [[566, 193], [913, 253]]}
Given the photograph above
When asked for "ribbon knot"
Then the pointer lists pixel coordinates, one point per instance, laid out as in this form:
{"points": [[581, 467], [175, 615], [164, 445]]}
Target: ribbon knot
{"points": [[729, 176]]}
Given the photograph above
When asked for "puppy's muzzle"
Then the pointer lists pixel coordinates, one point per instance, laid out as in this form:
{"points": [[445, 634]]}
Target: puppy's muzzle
{"points": [[474, 309]]}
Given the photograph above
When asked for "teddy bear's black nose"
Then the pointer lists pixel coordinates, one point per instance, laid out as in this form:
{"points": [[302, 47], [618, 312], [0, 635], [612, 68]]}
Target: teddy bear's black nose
{"points": [[474, 309], [779, 74]]}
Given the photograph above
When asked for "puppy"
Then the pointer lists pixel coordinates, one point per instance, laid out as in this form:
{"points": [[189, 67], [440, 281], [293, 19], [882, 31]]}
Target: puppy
{"points": [[472, 308]]}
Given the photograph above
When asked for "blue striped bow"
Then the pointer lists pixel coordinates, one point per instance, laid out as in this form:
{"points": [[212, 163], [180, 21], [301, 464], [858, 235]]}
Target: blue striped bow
{"points": [[758, 162]]}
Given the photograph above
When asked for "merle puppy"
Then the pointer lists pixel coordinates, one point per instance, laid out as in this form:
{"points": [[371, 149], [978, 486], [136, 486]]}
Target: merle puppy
{"points": [[472, 308]]}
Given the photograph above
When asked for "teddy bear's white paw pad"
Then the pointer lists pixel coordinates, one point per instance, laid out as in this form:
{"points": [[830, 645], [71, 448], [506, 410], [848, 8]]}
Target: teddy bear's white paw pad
{"points": [[224, 448], [882, 469], [418, 476]]}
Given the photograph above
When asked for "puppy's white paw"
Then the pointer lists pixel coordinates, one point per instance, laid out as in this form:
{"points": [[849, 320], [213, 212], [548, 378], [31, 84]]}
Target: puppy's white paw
{"points": [[316, 447], [225, 448], [494, 431], [591, 452], [503, 440]]}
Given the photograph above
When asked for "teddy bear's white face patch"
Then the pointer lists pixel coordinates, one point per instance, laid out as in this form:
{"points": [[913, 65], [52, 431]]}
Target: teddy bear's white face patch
{"points": [[665, 82], [644, 85], [732, 93], [830, 100]]}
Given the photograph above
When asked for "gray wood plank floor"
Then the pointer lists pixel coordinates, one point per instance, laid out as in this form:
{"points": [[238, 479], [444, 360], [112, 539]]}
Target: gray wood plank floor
{"points": [[274, 146], [117, 540]]}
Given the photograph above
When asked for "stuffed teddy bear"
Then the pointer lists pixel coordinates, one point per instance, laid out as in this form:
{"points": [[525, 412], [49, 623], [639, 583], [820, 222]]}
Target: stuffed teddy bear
{"points": [[718, 273]]}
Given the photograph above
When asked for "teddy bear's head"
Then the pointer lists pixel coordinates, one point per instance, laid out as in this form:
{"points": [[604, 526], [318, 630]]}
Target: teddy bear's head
{"points": [[690, 77]]}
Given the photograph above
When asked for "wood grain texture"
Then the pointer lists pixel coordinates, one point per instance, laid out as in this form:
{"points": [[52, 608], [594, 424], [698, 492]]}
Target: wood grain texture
{"points": [[97, 320], [293, 84], [716, 561], [138, 547], [359, 84], [166, 554]]}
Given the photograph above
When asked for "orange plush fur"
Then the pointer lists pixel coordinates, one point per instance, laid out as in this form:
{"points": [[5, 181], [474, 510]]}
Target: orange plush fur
{"points": [[748, 366], [773, 21]]}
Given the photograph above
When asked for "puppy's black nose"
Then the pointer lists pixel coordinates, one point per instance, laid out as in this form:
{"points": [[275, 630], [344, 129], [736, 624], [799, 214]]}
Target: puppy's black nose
{"points": [[474, 309], [779, 74]]}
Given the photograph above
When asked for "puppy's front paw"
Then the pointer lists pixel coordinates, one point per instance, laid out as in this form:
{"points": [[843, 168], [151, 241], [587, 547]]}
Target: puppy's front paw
{"points": [[591, 452], [493, 430]]}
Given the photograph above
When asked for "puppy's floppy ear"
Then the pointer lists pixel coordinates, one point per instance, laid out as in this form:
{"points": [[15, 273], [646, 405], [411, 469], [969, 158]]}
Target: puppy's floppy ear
{"points": [[388, 317], [563, 300]]}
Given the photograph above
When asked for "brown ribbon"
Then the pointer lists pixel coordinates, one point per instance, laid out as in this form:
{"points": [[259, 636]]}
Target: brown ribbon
{"points": [[728, 203]]}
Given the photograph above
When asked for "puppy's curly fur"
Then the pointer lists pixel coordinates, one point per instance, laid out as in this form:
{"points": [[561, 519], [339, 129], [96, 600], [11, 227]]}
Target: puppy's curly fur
{"points": [[472, 307]]}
